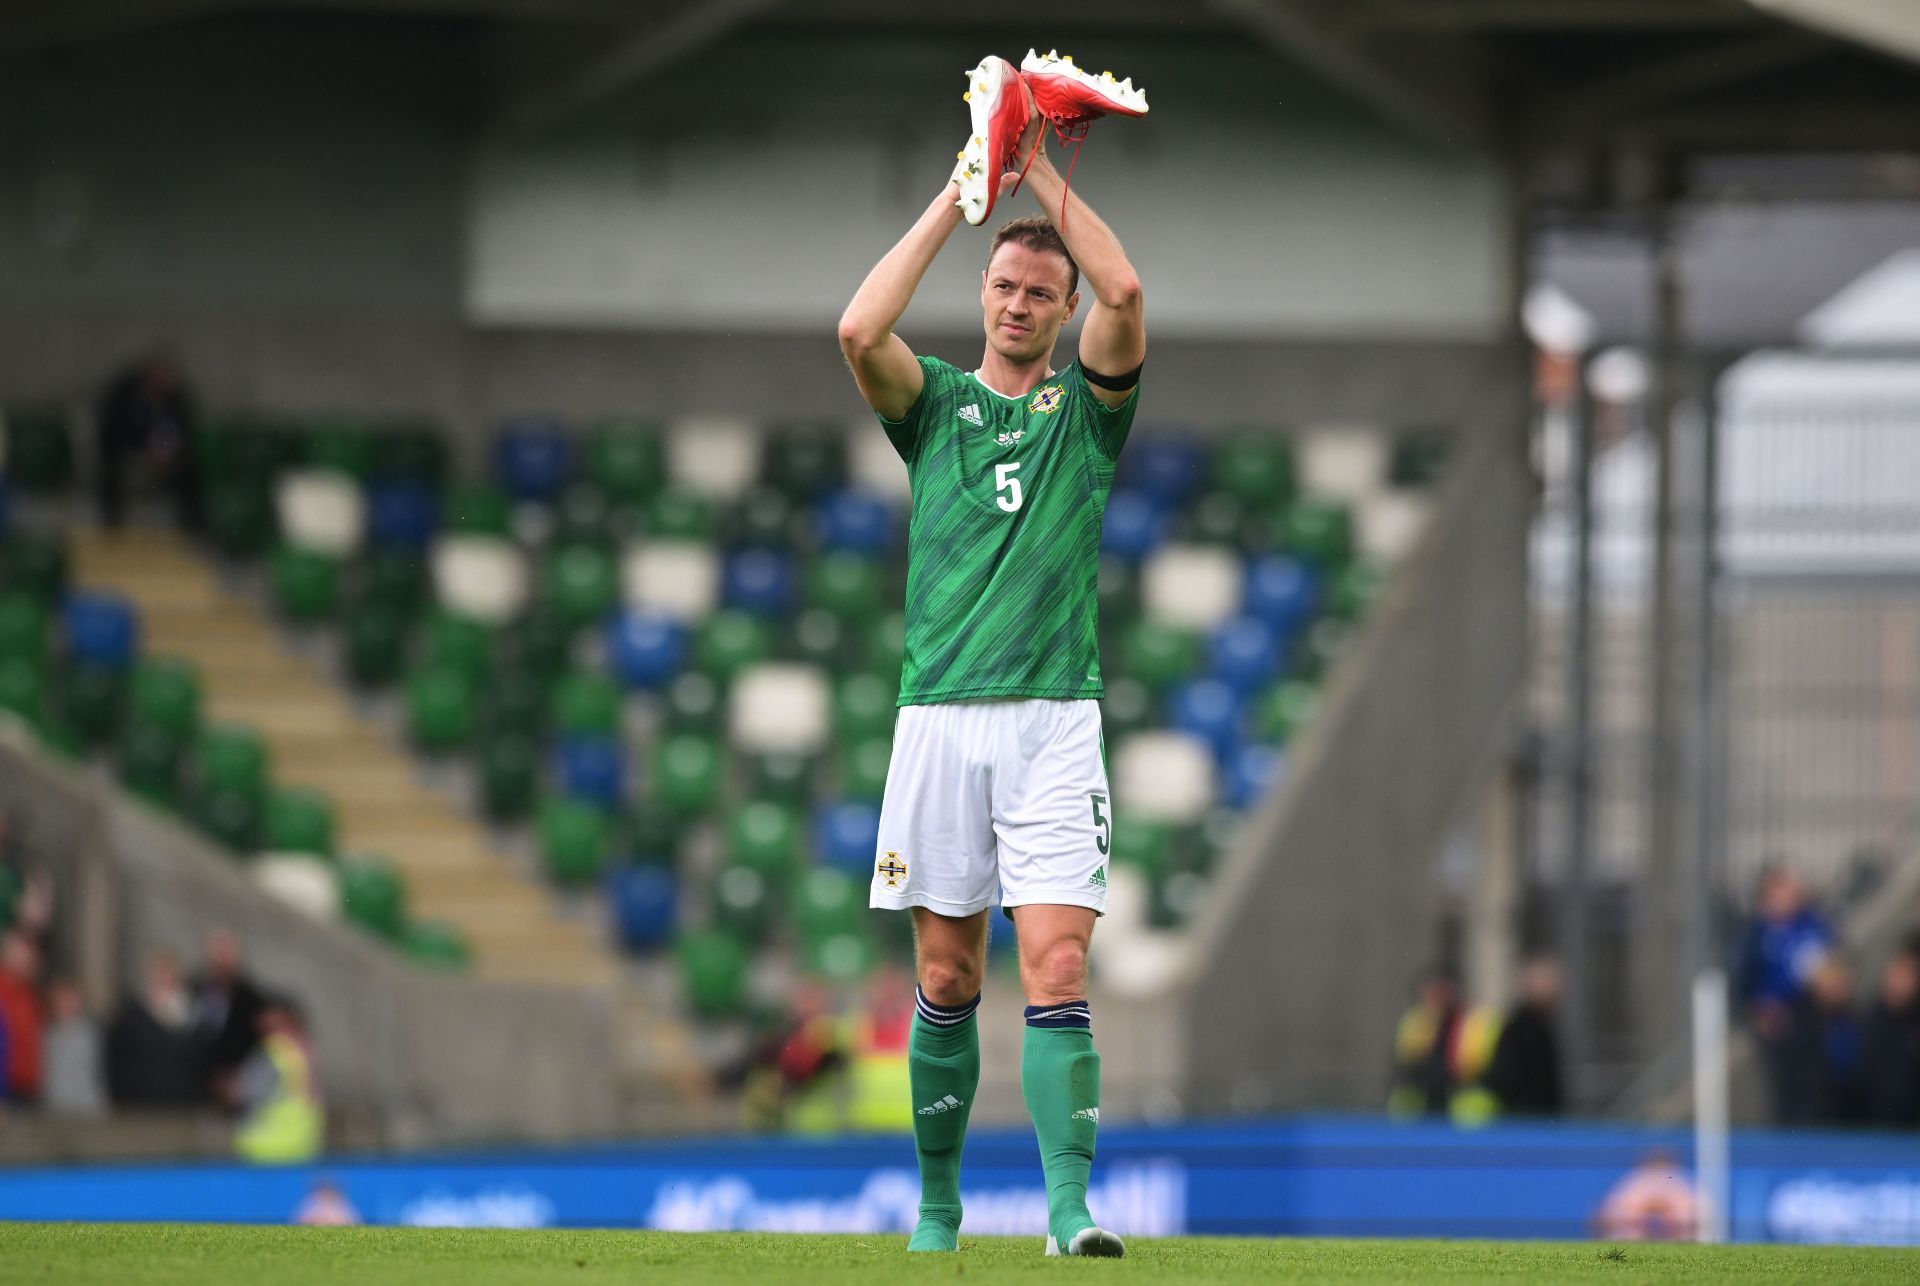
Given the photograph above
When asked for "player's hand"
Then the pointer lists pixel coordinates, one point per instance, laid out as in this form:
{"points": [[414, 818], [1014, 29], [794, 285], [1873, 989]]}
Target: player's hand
{"points": [[1031, 141]]}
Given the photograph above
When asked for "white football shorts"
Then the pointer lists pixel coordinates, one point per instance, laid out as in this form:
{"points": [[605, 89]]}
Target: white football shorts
{"points": [[1006, 796]]}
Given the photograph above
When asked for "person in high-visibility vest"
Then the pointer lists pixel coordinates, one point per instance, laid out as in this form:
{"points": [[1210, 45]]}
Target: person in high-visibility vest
{"points": [[882, 1097], [283, 1120]]}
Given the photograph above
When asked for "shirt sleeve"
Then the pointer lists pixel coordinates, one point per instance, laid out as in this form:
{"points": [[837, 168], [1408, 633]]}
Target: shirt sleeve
{"points": [[935, 400], [1111, 424]]}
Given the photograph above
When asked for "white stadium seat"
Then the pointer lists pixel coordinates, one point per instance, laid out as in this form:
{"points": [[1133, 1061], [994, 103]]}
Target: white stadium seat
{"points": [[1193, 586], [677, 578], [1391, 524], [715, 456], [875, 466], [1344, 462], [321, 510], [301, 881], [779, 707], [484, 577], [1162, 776]]}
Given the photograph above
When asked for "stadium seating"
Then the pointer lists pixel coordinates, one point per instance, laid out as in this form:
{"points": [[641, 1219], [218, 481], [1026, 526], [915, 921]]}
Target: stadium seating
{"points": [[673, 656]]}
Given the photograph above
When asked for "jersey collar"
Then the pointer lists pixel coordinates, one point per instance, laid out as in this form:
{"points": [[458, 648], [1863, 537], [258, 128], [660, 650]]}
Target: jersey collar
{"points": [[980, 379]]}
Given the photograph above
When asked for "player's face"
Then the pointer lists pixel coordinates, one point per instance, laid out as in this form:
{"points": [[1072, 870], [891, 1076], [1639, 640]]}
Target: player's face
{"points": [[1024, 295]]}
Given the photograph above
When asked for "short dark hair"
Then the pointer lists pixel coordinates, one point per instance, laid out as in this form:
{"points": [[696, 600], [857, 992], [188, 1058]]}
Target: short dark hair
{"points": [[1035, 233]]}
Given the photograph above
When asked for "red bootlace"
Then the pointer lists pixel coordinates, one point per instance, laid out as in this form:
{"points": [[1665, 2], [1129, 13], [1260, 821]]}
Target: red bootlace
{"points": [[1068, 130]]}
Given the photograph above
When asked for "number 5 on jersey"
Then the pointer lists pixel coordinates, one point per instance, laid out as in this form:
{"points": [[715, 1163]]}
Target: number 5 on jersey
{"points": [[1003, 480]]}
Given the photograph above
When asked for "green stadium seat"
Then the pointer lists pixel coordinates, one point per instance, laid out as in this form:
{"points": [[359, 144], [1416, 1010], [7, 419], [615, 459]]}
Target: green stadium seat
{"points": [[39, 450], [376, 639], [863, 769], [887, 646], [819, 638], [462, 644], [713, 968], [864, 706], [299, 821], [582, 582], [847, 585], [762, 519], [35, 564], [742, 904], [165, 693], [827, 902], [230, 817], [653, 837], [624, 461], [1158, 654], [1119, 592], [1127, 708], [680, 515], [517, 701], [306, 583], [1320, 532], [1218, 518], [417, 454], [13, 886], [574, 839], [1418, 457], [373, 896], [150, 759], [586, 703], [440, 708], [58, 738], [1144, 845], [730, 641], [23, 626], [583, 516], [1354, 588], [764, 835], [694, 703], [1325, 640], [806, 464], [540, 642], [509, 775], [475, 509], [393, 579], [240, 518], [437, 945], [784, 775], [245, 453], [234, 758], [92, 701], [23, 688], [1256, 467], [686, 773], [1284, 709], [842, 958], [339, 445]]}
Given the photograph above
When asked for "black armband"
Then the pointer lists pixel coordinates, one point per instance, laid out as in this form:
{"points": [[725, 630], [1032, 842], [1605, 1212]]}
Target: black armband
{"points": [[1117, 383]]}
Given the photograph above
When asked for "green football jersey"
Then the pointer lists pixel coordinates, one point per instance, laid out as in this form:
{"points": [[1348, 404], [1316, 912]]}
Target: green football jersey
{"points": [[1003, 551]]}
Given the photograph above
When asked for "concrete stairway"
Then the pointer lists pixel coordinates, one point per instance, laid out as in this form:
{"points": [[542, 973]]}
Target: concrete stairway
{"points": [[250, 675]]}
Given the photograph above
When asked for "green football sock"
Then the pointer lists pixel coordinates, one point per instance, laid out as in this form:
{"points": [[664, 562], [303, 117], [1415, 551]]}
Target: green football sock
{"points": [[1060, 1078], [943, 1065]]}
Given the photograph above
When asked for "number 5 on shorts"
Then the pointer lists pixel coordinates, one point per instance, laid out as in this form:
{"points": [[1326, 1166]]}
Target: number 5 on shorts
{"points": [[1101, 827]]}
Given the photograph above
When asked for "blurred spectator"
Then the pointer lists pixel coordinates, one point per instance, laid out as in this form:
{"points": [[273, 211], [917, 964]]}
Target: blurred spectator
{"points": [[1525, 1075], [74, 1057], [278, 1090], [788, 1076], [1654, 1201], [882, 1095], [146, 415], [1890, 1046], [226, 1008], [23, 1069], [326, 1206], [1785, 942], [1824, 1051], [1423, 1049], [154, 1057]]}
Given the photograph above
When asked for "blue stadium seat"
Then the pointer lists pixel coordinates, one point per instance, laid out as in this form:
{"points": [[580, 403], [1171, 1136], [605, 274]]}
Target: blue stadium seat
{"points": [[532, 459], [758, 581], [1243, 653], [402, 513], [102, 628], [645, 648], [1250, 770], [1166, 470], [1209, 710], [858, 521], [845, 835], [594, 769], [1283, 591], [645, 905], [1134, 526]]}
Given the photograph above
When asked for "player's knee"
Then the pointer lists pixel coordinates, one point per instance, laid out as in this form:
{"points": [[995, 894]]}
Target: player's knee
{"points": [[950, 981], [1058, 972]]}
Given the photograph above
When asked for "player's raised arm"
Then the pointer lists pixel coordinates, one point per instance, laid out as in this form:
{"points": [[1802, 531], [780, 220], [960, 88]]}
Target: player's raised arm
{"points": [[1113, 341], [883, 366]]}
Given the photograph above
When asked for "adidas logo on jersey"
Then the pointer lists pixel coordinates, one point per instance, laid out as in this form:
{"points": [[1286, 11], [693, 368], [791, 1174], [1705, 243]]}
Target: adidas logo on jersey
{"points": [[1008, 439], [971, 414], [947, 1104], [1087, 1114]]}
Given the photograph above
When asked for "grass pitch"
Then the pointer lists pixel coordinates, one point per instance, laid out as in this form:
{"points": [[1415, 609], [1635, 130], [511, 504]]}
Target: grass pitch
{"points": [[203, 1255]]}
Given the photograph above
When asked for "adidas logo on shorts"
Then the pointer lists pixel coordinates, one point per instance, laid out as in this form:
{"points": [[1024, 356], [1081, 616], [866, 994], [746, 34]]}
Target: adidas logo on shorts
{"points": [[1099, 877], [947, 1104]]}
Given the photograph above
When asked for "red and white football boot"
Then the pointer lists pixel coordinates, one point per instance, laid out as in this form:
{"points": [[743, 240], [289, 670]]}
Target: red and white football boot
{"points": [[998, 104], [1072, 100]]}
